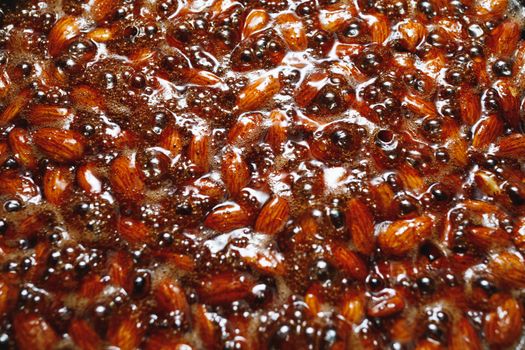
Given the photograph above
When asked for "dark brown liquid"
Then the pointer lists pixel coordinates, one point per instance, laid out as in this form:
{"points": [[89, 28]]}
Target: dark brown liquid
{"points": [[262, 174]]}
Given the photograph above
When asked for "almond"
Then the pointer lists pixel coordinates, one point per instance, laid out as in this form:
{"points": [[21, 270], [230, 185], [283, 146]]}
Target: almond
{"points": [[225, 288], [470, 106], [171, 141], [199, 152], [487, 131], [201, 77], [84, 335], [509, 268], [227, 217], [411, 34], [348, 261], [235, 171], [88, 179], [13, 184], [503, 325], [464, 336], [102, 9], [132, 230], [87, 98], [411, 178], [207, 329], [14, 107], [293, 31], [485, 238], [487, 182], [402, 236], [310, 88], [120, 266], [509, 97], [32, 332], [353, 309], [273, 216], [504, 39], [258, 93], [20, 143], [4, 152], [56, 183], [170, 297], [60, 145], [361, 224], [125, 333], [62, 34], [256, 20], [277, 132], [246, 129], [512, 146], [385, 303], [126, 178], [420, 106], [42, 115]]}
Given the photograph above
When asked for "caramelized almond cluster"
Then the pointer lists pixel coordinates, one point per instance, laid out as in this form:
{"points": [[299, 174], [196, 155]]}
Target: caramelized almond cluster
{"points": [[262, 174]]}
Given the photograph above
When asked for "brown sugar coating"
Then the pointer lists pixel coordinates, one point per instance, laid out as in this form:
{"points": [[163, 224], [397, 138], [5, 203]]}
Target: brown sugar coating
{"points": [[262, 174]]}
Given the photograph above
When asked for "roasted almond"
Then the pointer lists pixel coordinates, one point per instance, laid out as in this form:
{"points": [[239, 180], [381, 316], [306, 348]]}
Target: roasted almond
{"points": [[277, 132], [411, 34], [126, 179], [402, 236], [348, 261], [503, 325], [32, 332], [14, 107], [293, 31], [125, 333], [225, 288], [44, 115], [273, 216], [133, 231], [62, 33], [20, 143], [88, 178], [385, 303], [60, 145], [512, 146], [84, 336], [256, 20], [170, 296], [487, 131], [199, 151], [246, 129], [361, 224], [258, 93], [509, 268], [235, 171], [227, 217], [56, 183]]}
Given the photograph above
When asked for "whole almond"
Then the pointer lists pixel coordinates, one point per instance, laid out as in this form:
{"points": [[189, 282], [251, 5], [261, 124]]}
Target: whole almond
{"points": [[207, 329], [246, 129], [487, 131], [258, 93], [14, 107], [199, 152], [126, 179], [32, 332], [411, 34], [353, 309], [361, 224], [293, 31], [504, 38], [512, 146], [63, 32], [84, 336], [56, 183], [464, 336], [273, 216], [348, 261], [171, 141], [170, 296], [225, 288], [20, 143], [470, 106], [235, 171], [277, 132], [385, 303], [60, 145], [88, 179], [256, 20], [132, 230], [403, 236], [503, 325], [102, 9], [43, 115], [227, 217], [13, 184], [509, 268], [310, 88]]}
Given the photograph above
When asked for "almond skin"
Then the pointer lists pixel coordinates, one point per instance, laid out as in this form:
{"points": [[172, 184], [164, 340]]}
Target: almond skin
{"points": [[13, 108], [126, 179], [246, 129], [170, 296], [171, 141], [385, 303], [132, 230], [464, 336], [402, 236], [20, 143], [509, 268], [62, 146], [225, 288], [273, 216], [84, 335], [227, 217], [32, 332], [256, 20], [293, 31], [361, 224], [503, 325], [124, 333], [348, 261], [57, 181], [235, 172], [258, 93], [64, 31], [88, 179]]}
